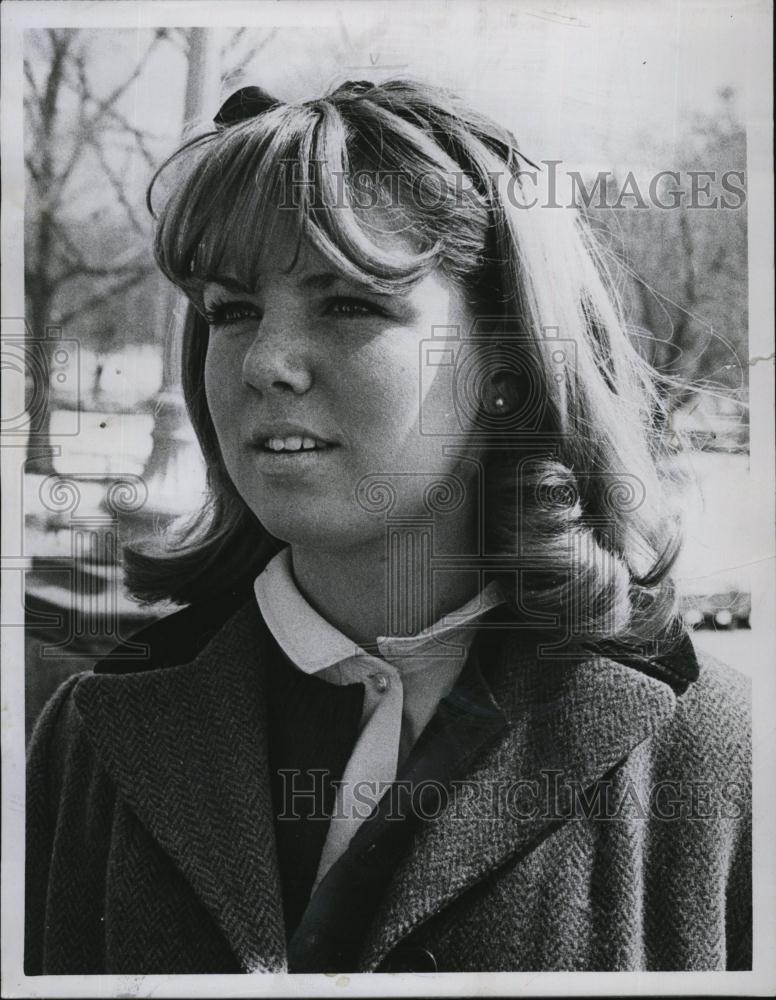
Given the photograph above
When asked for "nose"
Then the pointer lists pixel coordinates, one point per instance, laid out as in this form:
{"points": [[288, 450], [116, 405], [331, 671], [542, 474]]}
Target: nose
{"points": [[277, 359]]}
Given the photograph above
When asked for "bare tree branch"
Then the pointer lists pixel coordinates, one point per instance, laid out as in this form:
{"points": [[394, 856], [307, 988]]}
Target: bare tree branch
{"points": [[31, 169], [118, 187], [178, 38], [86, 270], [88, 125], [74, 136], [91, 136], [31, 82], [116, 289], [65, 238], [251, 54], [718, 260], [232, 42], [139, 136], [104, 106]]}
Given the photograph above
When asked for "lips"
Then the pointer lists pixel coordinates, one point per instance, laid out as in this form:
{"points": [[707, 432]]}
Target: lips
{"points": [[285, 437], [293, 444], [293, 463]]}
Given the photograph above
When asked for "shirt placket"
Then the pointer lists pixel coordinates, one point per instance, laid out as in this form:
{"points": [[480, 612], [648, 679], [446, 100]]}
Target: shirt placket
{"points": [[374, 760]]}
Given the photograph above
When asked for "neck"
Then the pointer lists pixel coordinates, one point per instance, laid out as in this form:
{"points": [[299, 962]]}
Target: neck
{"points": [[384, 588]]}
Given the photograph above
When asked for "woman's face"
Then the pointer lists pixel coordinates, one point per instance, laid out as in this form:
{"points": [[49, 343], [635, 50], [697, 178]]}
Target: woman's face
{"points": [[312, 357]]}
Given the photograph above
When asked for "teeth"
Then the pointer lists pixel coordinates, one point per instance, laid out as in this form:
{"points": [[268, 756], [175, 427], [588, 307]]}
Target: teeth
{"points": [[293, 443]]}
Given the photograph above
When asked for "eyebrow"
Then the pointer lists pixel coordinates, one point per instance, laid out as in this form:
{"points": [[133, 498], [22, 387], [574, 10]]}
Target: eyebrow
{"points": [[225, 281], [320, 282], [313, 282]]}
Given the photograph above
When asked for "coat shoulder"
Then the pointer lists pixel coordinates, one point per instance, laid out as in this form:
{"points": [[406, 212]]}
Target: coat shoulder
{"points": [[719, 702], [59, 748], [176, 638], [710, 733], [58, 723], [70, 803], [60, 745], [725, 689]]}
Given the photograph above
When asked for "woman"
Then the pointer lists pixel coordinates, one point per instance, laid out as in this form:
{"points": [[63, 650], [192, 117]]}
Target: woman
{"points": [[430, 706]]}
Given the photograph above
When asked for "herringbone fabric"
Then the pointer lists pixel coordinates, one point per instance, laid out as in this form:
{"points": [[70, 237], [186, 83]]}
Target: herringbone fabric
{"points": [[151, 845]]}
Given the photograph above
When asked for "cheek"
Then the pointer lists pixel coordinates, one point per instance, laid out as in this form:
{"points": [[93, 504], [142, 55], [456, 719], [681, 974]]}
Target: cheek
{"points": [[384, 396], [218, 378]]}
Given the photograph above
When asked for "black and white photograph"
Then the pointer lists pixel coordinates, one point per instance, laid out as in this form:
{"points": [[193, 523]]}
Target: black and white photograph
{"points": [[389, 592]]}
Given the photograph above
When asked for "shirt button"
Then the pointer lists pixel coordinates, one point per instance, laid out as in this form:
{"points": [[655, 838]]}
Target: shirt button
{"points": [[381, 682]]}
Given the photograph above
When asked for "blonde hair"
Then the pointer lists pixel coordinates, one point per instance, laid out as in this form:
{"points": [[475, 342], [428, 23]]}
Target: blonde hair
{"points": [[575, 507]]}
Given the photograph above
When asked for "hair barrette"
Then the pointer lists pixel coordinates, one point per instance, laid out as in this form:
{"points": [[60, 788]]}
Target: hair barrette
{"points": [[245, 103]]}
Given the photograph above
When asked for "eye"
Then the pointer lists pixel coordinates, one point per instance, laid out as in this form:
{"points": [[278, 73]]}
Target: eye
{"points": [[352, 306], [227, 313]]}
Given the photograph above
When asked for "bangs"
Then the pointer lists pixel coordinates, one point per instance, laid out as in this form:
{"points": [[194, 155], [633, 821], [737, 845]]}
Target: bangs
{"points": [[251, 194]]}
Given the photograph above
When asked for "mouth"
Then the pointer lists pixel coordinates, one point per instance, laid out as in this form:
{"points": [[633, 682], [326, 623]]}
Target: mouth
{"points": [[292, 454], [292, 446]]}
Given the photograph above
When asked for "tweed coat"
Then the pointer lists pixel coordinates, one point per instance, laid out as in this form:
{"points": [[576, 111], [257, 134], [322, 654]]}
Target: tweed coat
{"points": [[606, 826]]}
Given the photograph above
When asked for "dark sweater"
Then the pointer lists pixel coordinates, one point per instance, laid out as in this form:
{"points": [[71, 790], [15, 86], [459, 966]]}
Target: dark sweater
{"points": [[313, 727]]}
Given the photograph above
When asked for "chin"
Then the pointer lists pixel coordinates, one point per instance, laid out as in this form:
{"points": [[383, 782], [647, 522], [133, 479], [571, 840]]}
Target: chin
{"points": [[321, 528]]}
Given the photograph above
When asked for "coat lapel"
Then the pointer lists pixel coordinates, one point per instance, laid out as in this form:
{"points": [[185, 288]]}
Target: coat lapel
{"points": [[186, 747], [568, 724]]}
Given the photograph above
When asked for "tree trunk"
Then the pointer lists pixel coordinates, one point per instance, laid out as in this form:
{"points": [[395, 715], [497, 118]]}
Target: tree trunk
{"points": [[170, 413], [40, 288]]}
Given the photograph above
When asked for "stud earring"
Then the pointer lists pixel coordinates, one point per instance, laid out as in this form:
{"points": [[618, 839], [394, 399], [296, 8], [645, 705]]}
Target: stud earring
{"points": [[500, 394]]}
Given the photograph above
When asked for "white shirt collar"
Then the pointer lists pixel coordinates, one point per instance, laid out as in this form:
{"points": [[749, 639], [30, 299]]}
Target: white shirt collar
{"points": [[313, 644]]}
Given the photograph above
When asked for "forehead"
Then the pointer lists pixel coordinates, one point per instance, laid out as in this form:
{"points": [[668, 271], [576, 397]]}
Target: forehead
{"points": [[277, 256]]}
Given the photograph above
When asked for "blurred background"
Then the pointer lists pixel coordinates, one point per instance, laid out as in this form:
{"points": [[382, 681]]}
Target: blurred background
{"points": [[625, 89]]}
